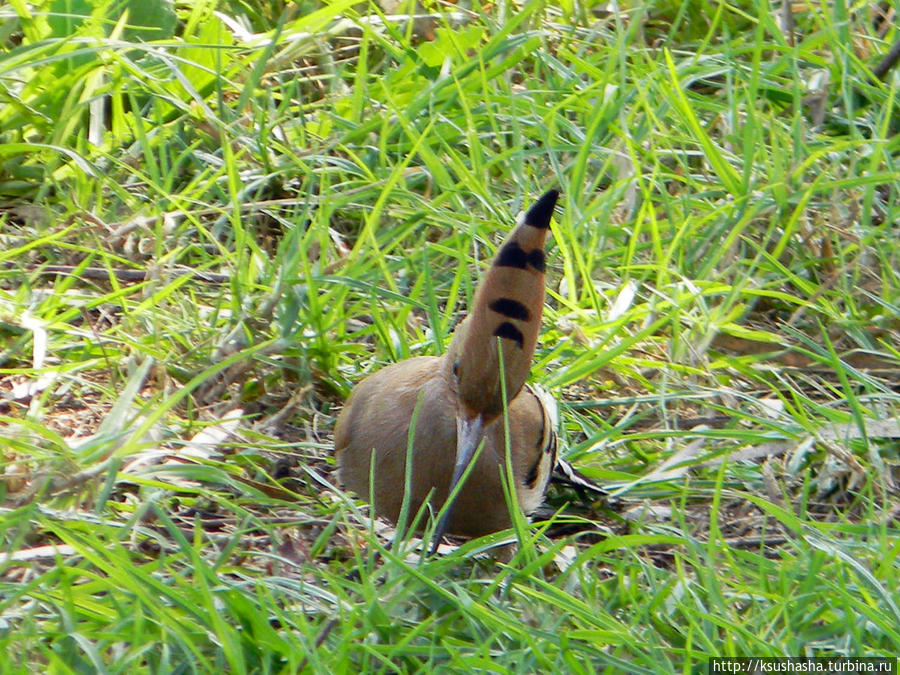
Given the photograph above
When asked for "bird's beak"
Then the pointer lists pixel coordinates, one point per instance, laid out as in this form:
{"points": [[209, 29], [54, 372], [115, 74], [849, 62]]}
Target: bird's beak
{"points": [[469, 432]]}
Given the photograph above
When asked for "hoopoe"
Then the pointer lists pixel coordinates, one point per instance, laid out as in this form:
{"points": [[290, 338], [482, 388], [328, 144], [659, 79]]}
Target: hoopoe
{"points": [[460, 398]]}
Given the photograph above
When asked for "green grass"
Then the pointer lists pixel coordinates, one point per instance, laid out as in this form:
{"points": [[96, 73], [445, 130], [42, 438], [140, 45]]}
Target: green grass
{"points": [[206, 239]]}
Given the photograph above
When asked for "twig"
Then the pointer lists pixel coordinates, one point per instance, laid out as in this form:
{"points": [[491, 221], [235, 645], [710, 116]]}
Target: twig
{"points": [[320, 639], [102, 273], [887, 62]]}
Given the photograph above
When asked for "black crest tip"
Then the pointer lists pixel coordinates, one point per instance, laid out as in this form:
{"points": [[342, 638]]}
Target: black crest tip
{"points": [[539, 214]]}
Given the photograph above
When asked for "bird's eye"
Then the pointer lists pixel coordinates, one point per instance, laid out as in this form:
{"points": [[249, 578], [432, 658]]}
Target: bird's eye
{"points": [[456, 368]]}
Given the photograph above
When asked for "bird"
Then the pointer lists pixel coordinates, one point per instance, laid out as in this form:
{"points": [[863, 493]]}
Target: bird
{"points": [[457, 400]]}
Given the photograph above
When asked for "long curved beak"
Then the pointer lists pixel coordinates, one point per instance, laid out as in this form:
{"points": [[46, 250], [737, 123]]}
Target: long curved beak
{"points": [[469, 432]]}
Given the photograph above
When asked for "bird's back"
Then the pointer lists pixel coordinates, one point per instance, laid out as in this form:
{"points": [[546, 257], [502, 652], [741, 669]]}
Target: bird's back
{"points": [[376, 420]]}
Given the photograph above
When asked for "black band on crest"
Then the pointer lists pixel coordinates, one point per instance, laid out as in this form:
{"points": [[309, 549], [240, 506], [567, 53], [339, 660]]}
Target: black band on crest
{"points": [[510, 332], [511, 308]]}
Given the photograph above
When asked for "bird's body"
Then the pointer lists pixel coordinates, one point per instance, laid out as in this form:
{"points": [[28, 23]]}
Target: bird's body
{"points": [[378, 417], [461, 398]]}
